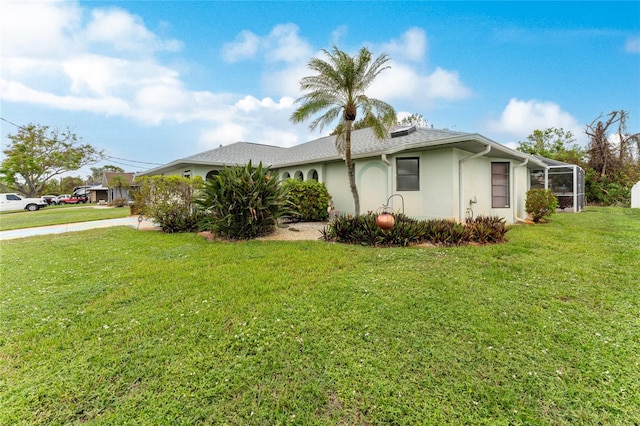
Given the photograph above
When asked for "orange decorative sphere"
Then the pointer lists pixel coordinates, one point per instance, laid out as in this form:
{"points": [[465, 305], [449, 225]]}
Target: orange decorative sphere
{"points": [[385, 221]]}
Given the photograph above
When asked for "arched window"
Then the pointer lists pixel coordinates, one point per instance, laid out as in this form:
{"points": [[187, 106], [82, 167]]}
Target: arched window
{"points": [[299, 175], [285, 176], [312, 175], [212, 173]]}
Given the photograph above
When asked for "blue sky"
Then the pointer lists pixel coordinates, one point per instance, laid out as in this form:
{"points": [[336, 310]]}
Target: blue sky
{"points": [[154, 81]]}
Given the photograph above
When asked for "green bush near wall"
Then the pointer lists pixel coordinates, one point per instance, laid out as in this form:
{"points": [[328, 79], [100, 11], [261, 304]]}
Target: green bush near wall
{"points": [[540, 204], [308, 200], [169, 201]]}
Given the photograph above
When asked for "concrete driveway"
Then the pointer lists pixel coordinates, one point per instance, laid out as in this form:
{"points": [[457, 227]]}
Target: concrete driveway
{"points": [[131, 221]]}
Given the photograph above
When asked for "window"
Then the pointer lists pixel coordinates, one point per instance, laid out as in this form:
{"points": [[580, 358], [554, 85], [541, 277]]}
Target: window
{"points": [[187, 174], [298, 175], [212, 173], [285, 176], [313, 175], [407, 174], [500, 185]]}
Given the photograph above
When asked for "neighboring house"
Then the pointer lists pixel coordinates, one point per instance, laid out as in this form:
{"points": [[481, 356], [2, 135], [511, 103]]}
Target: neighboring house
{"points": [[635, 196], [439, 174], [98, 194], [118, 185]]}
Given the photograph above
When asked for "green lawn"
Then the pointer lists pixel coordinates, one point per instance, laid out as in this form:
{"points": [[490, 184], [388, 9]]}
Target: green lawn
{"points": [[55, 215], [117, 326]]}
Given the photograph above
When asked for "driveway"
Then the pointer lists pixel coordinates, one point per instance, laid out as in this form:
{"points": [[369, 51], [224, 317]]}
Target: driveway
{"points": [[73, 227]]}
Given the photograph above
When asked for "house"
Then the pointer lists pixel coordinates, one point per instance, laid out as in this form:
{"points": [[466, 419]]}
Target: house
{"points": [[118, 186], [427, 173]]}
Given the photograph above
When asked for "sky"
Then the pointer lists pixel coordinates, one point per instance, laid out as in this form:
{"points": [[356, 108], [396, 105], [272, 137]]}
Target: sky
{"points": [[150, 82]]}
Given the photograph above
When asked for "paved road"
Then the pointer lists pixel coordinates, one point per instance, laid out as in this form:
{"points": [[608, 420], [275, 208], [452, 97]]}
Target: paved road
{"points": [[73, 227]]}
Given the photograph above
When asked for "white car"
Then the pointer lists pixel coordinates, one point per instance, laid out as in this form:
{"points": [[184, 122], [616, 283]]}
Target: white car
{"points": [[11, 202]]}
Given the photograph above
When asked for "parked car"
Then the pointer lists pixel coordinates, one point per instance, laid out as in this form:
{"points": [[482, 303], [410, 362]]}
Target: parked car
{"points": [[13, 202], [50, 199], [72, 199]]}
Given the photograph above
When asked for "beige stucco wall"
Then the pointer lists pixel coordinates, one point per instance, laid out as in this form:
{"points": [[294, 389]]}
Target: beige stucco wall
{"points": [[372, 180], [438, 197], [477, 187], [337, 183]]}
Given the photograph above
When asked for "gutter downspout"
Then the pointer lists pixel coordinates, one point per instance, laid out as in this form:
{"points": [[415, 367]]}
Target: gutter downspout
{"points": [[461, 162], [386, 161], [515, 188]]}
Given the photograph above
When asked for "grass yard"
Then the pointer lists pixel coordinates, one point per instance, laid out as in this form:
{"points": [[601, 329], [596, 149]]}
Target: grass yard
{"points": [[116, 326], [55, 215]]}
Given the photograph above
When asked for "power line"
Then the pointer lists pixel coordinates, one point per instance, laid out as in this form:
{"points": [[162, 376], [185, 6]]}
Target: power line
{"points": [[106, 156], [4, 119], [132, 161]]}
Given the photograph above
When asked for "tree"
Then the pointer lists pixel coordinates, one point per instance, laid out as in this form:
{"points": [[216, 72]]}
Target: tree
{"points": [[37, 154], [120, 183], [338, 91], [553, 143], [414, 120], [67, 184], [98, 172], [606, 157], [614, 161]]}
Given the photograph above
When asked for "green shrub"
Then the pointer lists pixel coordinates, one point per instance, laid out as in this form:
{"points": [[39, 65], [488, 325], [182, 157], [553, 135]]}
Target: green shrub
{"points": [[242, 202], [607, 190], [307, 200], [540, 203], [407, 231], [119, 202], [169, 201]]}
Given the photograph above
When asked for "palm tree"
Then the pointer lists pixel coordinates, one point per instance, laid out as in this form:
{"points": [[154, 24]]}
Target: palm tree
{"points": [[338, 91], [119, 182]]}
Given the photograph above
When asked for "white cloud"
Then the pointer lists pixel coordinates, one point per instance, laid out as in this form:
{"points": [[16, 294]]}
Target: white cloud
{"points": [[223, 134], [245, 46], [251, 119], [124, 32], [520, 118], [282, 44], [286, 81], [339, 34], [632, 45], [403, 82], [285, 44], [249, 103], [99, 75], [103, 61], [40, 29], [412, 46]]}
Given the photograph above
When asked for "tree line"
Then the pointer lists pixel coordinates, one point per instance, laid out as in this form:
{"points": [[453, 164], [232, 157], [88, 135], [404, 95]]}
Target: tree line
{"points": [[611, 160]]}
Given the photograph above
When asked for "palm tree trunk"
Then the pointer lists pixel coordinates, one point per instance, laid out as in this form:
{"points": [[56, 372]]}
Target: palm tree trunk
{"points": [[350, 172]]}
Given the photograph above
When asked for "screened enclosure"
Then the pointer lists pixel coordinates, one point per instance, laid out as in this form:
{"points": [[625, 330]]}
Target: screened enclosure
{"points": [[565, 180]]}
